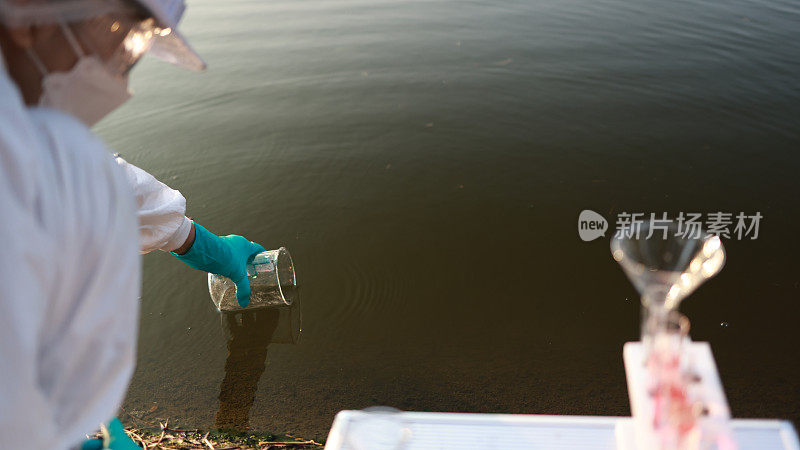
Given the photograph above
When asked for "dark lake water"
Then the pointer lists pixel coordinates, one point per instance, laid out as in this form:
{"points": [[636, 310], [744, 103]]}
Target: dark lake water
{"points": [[425, 162]]}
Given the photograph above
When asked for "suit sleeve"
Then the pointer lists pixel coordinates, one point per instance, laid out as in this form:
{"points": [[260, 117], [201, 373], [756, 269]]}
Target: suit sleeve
{"points": [[163, 224]]}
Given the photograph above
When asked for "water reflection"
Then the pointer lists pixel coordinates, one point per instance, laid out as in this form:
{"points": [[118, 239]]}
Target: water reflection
{"points": [[249, 335]]}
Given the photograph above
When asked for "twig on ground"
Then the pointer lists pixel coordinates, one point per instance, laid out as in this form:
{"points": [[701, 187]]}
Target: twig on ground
{"points": [[205, 441], [134, 434], [166, 438], [136, 417], [288, 443]]}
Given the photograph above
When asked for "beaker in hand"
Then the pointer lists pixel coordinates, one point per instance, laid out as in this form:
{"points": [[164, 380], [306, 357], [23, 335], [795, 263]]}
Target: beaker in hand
{"points": [[272, 283]]}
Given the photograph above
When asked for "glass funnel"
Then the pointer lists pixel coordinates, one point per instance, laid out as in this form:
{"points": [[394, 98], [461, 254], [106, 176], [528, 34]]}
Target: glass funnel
{"points": [[665, 263]]}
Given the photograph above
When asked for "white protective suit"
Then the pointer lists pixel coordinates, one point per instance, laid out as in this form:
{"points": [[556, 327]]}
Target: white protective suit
{"points": [[69, 272], [162, 223]]}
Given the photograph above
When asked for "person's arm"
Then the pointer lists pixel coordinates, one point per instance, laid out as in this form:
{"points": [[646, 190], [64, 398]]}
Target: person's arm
{"points": [[163, 225], [186, 244], [161, 210]]}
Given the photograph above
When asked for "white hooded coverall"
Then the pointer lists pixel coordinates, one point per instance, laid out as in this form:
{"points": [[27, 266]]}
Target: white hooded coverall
{"points": [[69, 272]]}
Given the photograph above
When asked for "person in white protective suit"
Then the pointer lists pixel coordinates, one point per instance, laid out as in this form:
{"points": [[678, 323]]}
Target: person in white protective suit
{"points": [[74, 219]]}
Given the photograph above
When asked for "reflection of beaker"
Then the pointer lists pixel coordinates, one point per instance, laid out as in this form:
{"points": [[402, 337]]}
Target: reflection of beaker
{"points": [[289, 326], [249, 333]]}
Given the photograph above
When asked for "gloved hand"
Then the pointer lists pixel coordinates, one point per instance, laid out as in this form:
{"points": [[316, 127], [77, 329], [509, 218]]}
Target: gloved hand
{"points": [[114, 438], [222, 255]]}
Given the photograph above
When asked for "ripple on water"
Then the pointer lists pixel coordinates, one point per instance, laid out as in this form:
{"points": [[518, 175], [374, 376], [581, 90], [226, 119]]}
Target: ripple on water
{"points": [[368, 293]]}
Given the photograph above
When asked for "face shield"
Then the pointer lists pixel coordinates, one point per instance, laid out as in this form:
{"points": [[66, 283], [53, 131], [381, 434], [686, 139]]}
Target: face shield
{"points": [[116, 31], [119, 41], [106, 42]]}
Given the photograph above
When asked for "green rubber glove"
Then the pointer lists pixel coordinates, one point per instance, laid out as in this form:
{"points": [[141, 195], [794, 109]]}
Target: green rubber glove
{"points": [[223, 255], [92, 444], [114, 438]]}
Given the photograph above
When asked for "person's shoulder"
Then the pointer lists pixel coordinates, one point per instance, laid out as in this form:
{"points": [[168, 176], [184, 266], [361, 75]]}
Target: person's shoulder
{"points": [[69, 142], [75, 154], [45, 114], [64, 129]]}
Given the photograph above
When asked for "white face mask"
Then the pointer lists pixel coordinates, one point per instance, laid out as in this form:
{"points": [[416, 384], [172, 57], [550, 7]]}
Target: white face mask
{"points": [[88, 91]]}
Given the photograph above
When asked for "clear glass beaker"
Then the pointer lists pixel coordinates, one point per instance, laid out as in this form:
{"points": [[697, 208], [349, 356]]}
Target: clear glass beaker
{"points": [[665, 335], [675, 411], [272, 283]]}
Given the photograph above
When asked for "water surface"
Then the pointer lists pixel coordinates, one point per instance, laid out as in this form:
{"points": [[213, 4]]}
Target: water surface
{"points": [[425, 163]]}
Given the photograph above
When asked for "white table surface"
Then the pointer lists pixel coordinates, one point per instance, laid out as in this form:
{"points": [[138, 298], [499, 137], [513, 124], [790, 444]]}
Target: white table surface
{"points": [[434, 431]]}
